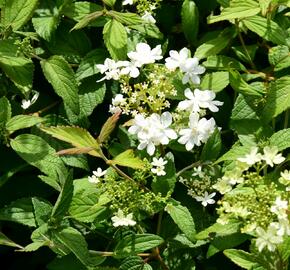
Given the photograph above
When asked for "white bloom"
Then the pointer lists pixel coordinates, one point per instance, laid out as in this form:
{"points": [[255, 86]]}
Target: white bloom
{"points": [[176, 58], [144, 54], [268, 238], [198, 172], [117, 101], [206, 198], [127, 2], [191, 70], [147, 17], [199, 99], [111, 69], [271, 157], [130, 69], [252, 158], [280, 208], [153, 130], [121, 220], [26, 103], [95, 178], [159, 165], [199, 131], [286, 175]]}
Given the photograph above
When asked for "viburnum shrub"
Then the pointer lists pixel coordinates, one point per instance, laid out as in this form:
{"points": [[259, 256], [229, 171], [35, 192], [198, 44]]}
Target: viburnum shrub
{"points": [[145, 134]]}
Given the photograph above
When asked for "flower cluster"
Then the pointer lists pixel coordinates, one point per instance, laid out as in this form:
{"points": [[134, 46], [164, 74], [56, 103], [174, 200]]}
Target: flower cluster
{"points": [[120, 219], [158, 166]]}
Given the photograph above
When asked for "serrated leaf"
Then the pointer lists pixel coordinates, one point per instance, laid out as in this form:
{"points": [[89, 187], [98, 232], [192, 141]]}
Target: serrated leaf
{"points": [[128, 159], [46, 26], [212, 148], [266, 29], [20, 211], [115, 37], [42, 210], [222, 62], [88, 19], [242, 258], [278, 99], [5, 112], [22, 121], [235, 152], [61, 76], [108, 128], [5, 241], [190, 20], [216, 45], [134, 263], [281, 139], [76, 136], [279, 57], [237, 10], [17, 12], [183, 219], [110, 3], [215, 81], [126, 18], [148, 29], [166, 183], [37, 152], [136, 243]]}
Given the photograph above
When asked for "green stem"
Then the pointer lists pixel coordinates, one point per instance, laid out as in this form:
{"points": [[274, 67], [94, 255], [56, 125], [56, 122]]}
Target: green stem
{"points": [[286, 120], [159, 222], [110, 253]]}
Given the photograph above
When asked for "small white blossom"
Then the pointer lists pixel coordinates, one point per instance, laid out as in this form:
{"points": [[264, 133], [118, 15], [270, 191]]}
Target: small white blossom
{"points": [[199, 131], [95, 178], [286, 175], [268, 238], [111, 69], [197, 171], [251, 158], [127, 2], [176, 58], [280, 208], [147, 17], [158, 166], [121, 220], [271, 156], [206, 198], [26, 103], [117, 101], [144, 55], [191, 70], [130, 69]]}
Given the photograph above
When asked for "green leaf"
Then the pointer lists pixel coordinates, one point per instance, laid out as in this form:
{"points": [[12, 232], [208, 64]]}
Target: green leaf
{"points": [[134, 263], [88, 19], [240, 52], [45, 26], [66, 262], [237, 10], [16, 13], [183, 219], [88, 64], [190, 20], [281, 139], [235, 152], [5, 241], [76, 136], [242, 258], [222, 62], [148, 29], [110, 3], [37, 152], [266, 29], [22, 121], [215, 81], [61, 76], [5, 113], [216, 45], [64, 199], [19, 70], [127, 18], [20, 211], [108, 128], [212, 148], [73, 240], [166, 183], [278, 99], [128, 159], [136, 243], [279, 57], [42, 210], [115, 37]]}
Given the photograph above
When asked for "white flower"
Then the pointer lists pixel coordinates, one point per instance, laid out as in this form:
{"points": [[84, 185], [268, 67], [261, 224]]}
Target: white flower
{"points": [[153, 130], [147, 17], [280, 208], [117, 101], [130, 69], [271, 157], [268, 238], [199, 99], [127, 2], [121, 220], [286, 175], [252, 158], [206, 198], [95, 178], [111, 69], [26, 103], [191, 70], [144, 54], [198, 172], [159, 165], [199, 131], [176, 58]]}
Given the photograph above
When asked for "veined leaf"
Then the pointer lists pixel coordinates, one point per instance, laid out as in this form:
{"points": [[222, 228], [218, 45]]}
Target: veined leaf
{"points": [[128, 159], [61, 76], [281, 139], [212, 147], [115, 37], [215, 81], [88, 19], [110, 3], [279, 57], [45, 26], [222, 62], [237, 10], [266, 29], [16, 13], [134, 263], [108, 128], [22, 121], [235, 152], [76, 136], [127, 18], [5, 241], [42, 210], [148, 29], [5, 112], [183, 219], [242, 258]]}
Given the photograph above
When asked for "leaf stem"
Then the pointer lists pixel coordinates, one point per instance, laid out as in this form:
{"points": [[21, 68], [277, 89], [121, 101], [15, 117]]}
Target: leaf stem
{"points": [[286, 119], [195, 164]]}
